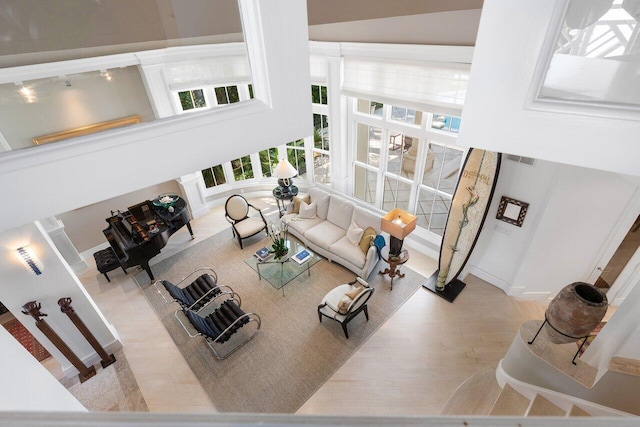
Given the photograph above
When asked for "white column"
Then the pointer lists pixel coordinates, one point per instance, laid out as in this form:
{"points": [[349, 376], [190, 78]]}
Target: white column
{"points": [[20, 285], [192, 187], [157, 90], [55, 228]]}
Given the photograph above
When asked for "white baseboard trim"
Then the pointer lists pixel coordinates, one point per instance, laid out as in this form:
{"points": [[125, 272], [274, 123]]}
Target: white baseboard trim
{"points": [[535, 296], [80, 265], [490, 278], [201, 212], [88, 254]]}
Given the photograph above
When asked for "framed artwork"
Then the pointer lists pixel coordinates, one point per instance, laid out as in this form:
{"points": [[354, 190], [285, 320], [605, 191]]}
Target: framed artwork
{"points": [[86, 130], [512, 211]]}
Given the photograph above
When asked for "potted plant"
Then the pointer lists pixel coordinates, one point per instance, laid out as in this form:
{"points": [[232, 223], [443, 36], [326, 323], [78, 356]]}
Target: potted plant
{"points": [[279, 237]]}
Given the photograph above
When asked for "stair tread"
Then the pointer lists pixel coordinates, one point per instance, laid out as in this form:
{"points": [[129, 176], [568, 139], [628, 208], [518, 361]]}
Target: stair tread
{"points": [[576, 411], [510, 402], [543, 407], [475, 396]]}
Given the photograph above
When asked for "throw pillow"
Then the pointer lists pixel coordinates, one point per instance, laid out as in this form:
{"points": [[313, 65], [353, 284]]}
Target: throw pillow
{"points": [[323, 207], [343, 304], [354, 292], [307, 211], [297, 200], [354, 233], [367, 239]]}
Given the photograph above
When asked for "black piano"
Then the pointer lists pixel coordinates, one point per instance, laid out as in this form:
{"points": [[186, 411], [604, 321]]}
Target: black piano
{"points": [[138, 234]]}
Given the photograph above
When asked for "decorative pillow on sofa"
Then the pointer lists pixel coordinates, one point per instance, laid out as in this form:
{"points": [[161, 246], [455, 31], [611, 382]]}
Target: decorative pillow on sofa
{"points": [[354, 233], [343, 304], [354, 292], [297, 200], [307, 211], [367, 239]]}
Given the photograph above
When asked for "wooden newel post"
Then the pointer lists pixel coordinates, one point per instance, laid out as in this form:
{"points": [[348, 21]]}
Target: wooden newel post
{"points": [[65, 307], [32, 308]]}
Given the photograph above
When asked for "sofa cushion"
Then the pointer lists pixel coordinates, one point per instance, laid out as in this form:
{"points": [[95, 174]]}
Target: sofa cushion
{"points": [[354, 233], [365, 218], [308, 211], [349, 252], [300, 225], [297, 200], [326, 234], [340, 212], [367, 239]]}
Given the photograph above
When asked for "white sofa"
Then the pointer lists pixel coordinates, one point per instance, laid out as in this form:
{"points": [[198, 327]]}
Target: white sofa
{"points": [[326, 233]]}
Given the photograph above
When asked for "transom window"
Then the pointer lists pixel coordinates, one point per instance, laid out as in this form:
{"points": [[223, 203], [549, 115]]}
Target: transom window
{"points": [[446, 123], [191, 99], [319, 94], [213, 176], [227, 95]]}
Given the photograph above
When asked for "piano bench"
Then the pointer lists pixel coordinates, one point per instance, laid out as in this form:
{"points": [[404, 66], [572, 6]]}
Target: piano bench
{"points": [[106, 260]]}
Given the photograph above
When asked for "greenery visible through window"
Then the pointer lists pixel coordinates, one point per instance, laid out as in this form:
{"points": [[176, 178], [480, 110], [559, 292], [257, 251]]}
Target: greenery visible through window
{"points": [[296, 156], [190, 99], [319, 94], [227, 94], [268, 161], [213, 176], [320, 132], [242, 168], [250, 91]]}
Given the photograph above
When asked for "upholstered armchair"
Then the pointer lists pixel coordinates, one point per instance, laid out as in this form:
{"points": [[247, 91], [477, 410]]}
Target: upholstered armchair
{"points": [[237, 213], [345, 302]]}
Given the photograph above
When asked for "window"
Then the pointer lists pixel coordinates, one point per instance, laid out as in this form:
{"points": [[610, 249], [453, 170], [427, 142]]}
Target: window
{"points": [[242, 168], [446, 123], [400, 162], [368, 144], [191, 99], [213, 176], [268, 161], [370, 107], [227, 95], [319, 94], [297, 156], [250, 91], [320, 132], [406, 115]]}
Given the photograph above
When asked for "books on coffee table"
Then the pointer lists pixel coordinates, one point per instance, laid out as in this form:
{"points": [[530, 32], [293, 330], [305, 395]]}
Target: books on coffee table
{"points": [[302, 256], [263, 254]]}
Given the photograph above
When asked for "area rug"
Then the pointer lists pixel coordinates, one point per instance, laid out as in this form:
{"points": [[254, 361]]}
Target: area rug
{"points": [[20, 333], [293, 354]]}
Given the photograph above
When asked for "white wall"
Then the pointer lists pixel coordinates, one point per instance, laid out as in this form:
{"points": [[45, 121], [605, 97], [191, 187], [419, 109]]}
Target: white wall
{"points": [[501, 246], [27, 385], [508, 59], [90, 99], [572, 213], [19, 286]]}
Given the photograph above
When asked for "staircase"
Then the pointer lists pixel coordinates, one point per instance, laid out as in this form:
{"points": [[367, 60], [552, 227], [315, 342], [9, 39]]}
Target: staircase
{"points": [[481, 395]]}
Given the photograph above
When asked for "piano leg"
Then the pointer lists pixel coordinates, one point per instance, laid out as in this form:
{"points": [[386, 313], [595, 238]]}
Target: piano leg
{"points": [[190, 230], [148, 270]]}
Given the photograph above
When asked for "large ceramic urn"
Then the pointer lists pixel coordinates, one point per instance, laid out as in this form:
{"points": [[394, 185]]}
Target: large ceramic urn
{"points": [[575, 312]]}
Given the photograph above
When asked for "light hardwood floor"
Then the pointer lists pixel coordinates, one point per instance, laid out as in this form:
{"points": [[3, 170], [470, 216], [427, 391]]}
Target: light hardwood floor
{"points": [[410, 366]]}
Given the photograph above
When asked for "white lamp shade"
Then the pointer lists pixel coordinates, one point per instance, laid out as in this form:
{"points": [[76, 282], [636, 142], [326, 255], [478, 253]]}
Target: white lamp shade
{"points": [[285, 170]]}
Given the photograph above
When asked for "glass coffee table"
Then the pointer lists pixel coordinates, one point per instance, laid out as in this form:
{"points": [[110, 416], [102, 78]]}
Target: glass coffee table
{"points": [[280, 272]]}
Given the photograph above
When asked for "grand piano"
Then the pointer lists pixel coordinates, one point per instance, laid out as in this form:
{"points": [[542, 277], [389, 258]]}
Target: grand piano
{"points": [[139, 233]]}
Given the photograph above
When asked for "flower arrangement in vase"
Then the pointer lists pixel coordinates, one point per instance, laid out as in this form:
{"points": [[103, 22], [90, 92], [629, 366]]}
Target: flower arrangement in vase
{"points": [[279, 237]]}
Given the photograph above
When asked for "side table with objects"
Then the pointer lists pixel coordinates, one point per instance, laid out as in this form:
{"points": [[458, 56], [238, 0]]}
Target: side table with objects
{"points": [[394, 261], [282, 194]]}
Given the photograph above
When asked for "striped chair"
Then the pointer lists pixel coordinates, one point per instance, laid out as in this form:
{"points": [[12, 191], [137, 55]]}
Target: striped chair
{"points": [[198, 292]]}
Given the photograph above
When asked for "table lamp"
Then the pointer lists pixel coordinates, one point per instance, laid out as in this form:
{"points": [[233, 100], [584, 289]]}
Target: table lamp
{"points": [[399, 224], [284, 172]]}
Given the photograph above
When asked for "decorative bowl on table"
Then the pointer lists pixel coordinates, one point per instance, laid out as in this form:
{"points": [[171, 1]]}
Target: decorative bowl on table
{"points": [[166, 201]]}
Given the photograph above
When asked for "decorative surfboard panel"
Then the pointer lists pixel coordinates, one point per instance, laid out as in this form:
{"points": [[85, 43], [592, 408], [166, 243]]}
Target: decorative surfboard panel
{"points": [[469, 207]]}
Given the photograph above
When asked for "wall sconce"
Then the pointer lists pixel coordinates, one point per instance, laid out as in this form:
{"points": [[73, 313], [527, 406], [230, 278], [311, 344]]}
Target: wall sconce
{"points": [[399, 224], [30, 260], [105, 74]]}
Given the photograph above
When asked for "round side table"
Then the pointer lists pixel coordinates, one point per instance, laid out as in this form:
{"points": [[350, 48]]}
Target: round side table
{"points": [[394, 261], [282, 194]]}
